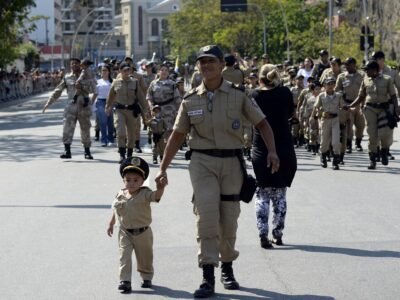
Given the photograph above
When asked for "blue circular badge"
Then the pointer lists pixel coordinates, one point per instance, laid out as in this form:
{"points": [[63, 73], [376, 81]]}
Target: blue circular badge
{"points": [[235, 124]]}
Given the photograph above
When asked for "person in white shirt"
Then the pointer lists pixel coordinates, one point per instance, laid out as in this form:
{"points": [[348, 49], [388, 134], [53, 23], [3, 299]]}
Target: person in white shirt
{"points": [[307, 70], [106, 122]]}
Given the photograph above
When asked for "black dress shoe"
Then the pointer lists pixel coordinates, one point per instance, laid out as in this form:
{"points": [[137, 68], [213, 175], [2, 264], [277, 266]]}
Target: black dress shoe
{"points": [[205, 290], [125, 286], [146, 284]]}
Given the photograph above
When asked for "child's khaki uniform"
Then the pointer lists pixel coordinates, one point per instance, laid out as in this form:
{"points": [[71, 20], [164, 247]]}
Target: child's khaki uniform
{"points": [[134, 216]]}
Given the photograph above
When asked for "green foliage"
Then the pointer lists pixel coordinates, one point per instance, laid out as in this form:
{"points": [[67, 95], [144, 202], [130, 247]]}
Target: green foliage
{"points": [[13, 26], [200, 22]]}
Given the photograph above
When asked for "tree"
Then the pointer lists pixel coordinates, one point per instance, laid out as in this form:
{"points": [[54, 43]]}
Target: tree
{"points": [[13, 26], [200, 22]]}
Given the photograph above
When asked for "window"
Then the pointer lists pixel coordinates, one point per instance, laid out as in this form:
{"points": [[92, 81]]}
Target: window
{"points": [[118, 43], [154, 27]]}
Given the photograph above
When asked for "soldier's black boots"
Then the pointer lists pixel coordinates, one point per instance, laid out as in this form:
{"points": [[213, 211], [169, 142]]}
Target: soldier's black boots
{"points": [[341, 158], [125, 286], [335, 162], [146, 284], [323, 160], [372, 161], [129, 153], [358, 145], [121, 152], [314, 149], [67, 152], [207, 287], [88, 155], [137, 147], [155, 159], [265, 242], [349, 146], [227, 277], [384, 156], [96, 134]]}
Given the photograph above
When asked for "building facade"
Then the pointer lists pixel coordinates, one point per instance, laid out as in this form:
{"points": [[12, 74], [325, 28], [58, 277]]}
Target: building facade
{"points": [[143, 24]]}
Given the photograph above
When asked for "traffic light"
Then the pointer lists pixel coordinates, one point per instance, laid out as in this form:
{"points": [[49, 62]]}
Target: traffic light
{"points": [[233, 5], [370, 42]]}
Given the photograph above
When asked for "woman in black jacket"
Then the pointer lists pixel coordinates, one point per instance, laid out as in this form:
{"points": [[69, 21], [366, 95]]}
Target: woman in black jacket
{"points": [[277, 104]]}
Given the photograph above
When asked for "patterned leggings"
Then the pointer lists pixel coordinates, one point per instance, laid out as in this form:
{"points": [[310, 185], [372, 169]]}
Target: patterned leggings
{"points": [[263, 198]]}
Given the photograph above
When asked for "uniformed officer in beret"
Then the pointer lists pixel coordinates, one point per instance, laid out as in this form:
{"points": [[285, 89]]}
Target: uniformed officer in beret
{"points": [[132, 208], [377, 91], [212, 114], [129, 101]]}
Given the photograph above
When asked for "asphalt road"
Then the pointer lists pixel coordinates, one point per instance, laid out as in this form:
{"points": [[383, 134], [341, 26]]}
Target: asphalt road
{"points": [[342, 235]]}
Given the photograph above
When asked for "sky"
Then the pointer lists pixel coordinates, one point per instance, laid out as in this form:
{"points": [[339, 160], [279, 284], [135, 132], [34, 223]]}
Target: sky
{"points": [[43, 7]]}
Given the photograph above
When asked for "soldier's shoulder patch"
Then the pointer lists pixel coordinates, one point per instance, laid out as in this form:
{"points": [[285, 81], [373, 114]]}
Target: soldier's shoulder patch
{"points": [[190, 93], [239, 87]]}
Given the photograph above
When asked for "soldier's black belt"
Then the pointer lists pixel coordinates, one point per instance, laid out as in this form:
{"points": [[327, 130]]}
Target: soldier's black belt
{"points": [[219, 152], [137, 231], [230, 197], [164, 102], [328, 115], [384, 105], [348, 101], [123, 106]]}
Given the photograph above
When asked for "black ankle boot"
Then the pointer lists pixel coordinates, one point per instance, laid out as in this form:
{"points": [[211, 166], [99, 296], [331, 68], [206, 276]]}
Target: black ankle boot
{"points": [[129, 153], [125, 286], [358, 145], [88, 155], [97, 135], [335, 161], [323, 160], [207, 287], [137, 147], [341, 159], [372, 161], [155, 159], [349, 146], [67, 152], [121, 152], [227, 277], [384, 156], [265, 242]]}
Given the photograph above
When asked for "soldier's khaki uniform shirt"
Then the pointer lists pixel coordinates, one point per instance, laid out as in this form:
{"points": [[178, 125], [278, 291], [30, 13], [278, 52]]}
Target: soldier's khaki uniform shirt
{"points": [[126, 92], [233, 75], [296, 93], [349, 84], [87, 81], [394, 75], [223, 127], [328, 73], [148, 78], [68, 83], [329, 103], [162, 91], [134, 211], [377, 90]]}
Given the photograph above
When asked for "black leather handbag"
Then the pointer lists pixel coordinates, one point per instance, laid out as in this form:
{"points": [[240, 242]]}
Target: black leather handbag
{"points": [[249, 182]]}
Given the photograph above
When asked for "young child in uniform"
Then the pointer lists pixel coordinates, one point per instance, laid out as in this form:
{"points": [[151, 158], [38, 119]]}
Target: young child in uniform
{"points": [[132, 208], [158, 127], [86, 82]]}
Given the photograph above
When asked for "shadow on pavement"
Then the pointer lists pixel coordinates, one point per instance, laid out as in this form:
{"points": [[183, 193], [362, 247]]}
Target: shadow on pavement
{"points": [[85, 206], [263, 294], [164, 291], [345, 251]]}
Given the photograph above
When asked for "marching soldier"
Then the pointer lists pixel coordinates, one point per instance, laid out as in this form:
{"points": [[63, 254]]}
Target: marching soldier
{"points": [[212, 115], [130, 103], [377, 90], [322, 65], [230, 73], [348, 83], [296, 125], [77, 110], [328, 104], [163, 92]]}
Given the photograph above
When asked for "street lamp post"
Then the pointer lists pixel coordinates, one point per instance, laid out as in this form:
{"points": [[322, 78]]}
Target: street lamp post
{"points": [[330, 12], [79, 26], [287, 30], [62, 32], [366, 33], [90, 29]]}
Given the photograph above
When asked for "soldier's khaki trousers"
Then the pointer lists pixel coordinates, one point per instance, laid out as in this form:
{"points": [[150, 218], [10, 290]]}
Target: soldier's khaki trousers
{"points": [[330, 135], [358, 121], [345, 124], [75, 112], [376, 135], [216, 220], [142, 244], [125, 124]]}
